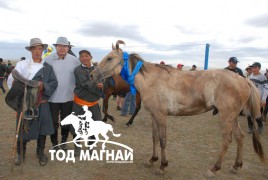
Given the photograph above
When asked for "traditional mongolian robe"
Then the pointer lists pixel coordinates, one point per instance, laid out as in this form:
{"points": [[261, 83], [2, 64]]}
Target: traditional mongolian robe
{"points": [[40, 72], [86, 92]]}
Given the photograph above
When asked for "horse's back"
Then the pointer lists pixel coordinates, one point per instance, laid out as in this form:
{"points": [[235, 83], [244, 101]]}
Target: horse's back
{"points": [[193, 92]]}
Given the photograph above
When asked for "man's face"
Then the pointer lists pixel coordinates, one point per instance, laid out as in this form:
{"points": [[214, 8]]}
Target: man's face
{"points": [[255, 70], [232, 64], [62, 50], [85, 59], [37, 52]]}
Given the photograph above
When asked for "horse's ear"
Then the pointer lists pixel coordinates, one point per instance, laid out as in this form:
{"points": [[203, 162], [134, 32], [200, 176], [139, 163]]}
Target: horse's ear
{"points": [[119, 42], [113, 47]]}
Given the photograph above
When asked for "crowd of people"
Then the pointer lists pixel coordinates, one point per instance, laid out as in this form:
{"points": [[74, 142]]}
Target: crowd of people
{"points": [[66, 86]]}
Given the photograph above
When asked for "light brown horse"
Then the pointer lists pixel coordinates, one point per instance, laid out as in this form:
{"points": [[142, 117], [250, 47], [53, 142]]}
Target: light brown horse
{"points": [[119, 87], [167, 91]]}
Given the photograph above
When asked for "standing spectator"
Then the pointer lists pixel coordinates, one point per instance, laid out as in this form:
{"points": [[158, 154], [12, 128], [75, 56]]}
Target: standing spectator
{"points": [[179, 66], [262, 85], [3, 71], [129, 105], [232, 66], [61, 102], [266, 73], [249, 71], [36, 69], [120, 101], [48, 52], [193, 68], [10, 67], [86, 92]]}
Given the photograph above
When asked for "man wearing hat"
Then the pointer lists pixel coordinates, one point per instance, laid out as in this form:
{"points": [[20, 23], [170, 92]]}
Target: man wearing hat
{"points": [[179, 66], [36, 69], [193, 68], [249, 71], [233, 66], [162, 63], [262, 85], [86, 93], [61, 102]]}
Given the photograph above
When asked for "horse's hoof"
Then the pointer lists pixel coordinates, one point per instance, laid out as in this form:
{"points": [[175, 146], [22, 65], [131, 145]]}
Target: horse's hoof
{"points": [[233, 170], [148, 164], [210, 174], [159, 172]]}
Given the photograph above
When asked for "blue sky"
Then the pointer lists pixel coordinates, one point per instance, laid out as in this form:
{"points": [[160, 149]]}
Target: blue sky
{"points": [[171, 30]]}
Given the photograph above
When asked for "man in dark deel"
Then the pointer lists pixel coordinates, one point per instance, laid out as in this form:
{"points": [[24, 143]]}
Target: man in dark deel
{"points": [[232, 66], [86, 92], [3, 70]]}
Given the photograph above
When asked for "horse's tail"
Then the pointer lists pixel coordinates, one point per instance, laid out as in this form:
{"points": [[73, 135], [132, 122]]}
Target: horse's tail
{"points": [[254, 106], [112, 130]]}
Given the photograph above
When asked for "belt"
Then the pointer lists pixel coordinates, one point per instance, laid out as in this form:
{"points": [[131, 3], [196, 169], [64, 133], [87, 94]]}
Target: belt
{"points": [[82, 102]]}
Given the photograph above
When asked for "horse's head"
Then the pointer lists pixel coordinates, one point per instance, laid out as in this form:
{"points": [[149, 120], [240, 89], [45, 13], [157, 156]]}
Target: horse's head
{"points": [[70, 119], [110, 65]]}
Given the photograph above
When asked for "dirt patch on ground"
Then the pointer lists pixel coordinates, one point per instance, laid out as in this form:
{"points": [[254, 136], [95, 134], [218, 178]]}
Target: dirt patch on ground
{"points": [[193, 146]]}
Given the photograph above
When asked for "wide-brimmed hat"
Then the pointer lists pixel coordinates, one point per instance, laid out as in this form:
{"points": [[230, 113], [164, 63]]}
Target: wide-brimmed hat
{"points": [[62, 41], [249, 67], [36, 42], [70, 44]]}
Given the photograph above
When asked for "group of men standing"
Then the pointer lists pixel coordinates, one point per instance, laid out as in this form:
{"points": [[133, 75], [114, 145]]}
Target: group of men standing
{"points": [[260, 82], [62, 78]]}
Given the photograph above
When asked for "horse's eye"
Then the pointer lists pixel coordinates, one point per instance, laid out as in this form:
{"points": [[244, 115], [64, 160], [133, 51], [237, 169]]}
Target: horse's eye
{"points": [[109, 59]]}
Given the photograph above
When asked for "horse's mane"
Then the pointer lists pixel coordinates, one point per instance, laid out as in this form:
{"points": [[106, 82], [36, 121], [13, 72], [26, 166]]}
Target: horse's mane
{"points": [[133, 59]]}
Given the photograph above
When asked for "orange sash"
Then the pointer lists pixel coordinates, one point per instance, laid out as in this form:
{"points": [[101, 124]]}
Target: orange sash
{"points": [[82, 102]]}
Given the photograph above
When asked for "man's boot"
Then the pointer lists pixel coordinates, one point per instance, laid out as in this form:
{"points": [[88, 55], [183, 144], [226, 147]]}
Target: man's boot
{"points": [[77, 149], [63, 140], [42, 157], [54, 140], [64, 137]]}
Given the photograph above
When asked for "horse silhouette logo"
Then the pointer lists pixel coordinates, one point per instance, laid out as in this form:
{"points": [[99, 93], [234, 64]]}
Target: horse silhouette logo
{"points": [[85, 127]]}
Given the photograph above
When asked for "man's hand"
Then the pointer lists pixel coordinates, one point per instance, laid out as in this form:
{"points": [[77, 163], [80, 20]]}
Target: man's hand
{"points": [[41, 85], [100, 85]]}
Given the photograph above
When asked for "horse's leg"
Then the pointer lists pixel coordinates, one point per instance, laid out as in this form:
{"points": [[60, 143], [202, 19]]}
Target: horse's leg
{"points": [[108, 93], [239, 139], [226, 122], [155, 144], [138, 107], [161, 122]]}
